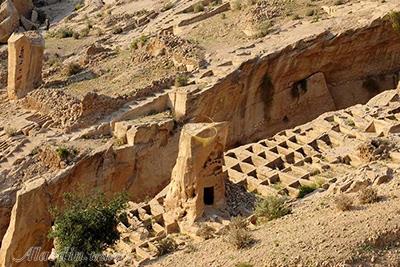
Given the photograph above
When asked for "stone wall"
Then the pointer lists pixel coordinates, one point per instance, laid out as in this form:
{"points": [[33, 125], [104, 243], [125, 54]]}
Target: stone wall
{"points": [[270, 93], [141, 171]]}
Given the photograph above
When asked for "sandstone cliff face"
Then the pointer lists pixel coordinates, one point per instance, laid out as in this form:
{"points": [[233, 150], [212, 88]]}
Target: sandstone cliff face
{"points": [[272, 92], [141, 171], [265, 94]]}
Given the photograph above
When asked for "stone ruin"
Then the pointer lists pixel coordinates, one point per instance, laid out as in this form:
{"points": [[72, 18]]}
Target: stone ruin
{"points": [[198, 181], [25, 60]]}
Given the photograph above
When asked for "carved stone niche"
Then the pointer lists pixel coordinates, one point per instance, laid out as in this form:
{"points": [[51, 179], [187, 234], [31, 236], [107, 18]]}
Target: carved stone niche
{"points": [[198, 180]]}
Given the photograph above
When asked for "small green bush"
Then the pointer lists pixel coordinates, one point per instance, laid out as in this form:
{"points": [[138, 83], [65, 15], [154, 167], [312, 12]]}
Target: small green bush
{"points": [[181, 80], [395, 19], [62, 152], [166, 246], [64, 33], [79, 6], [263, 29], [87, 224], [199, 7], [305, 190], [272, 207], [139, 42]]}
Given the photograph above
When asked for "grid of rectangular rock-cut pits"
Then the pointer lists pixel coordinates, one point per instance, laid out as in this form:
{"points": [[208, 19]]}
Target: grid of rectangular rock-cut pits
{"points": [[146, 226], [280, 165]]}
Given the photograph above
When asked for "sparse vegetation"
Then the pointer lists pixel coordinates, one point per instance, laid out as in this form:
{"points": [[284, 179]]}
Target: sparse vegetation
{"points": [[263, 29], [117, 30], [236, 5], [205, 231], [63, 32], [139, 42], [167, 6], [343, 202], [79, 6], [395, 19], [11, 131], [86, 225], [368, 195], [272, 207], [199, 7], [306, 189], [66, 153], [238, 235], [181, 80], [166, 246], [72, 69]]}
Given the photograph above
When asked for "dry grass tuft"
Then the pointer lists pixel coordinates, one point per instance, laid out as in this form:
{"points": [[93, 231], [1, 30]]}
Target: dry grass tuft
{"points": [[343, 202], [238, 235], [368, 195]]}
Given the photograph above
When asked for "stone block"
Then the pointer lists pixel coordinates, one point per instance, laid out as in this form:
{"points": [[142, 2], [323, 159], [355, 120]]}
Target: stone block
{"points": [[25, 60]]}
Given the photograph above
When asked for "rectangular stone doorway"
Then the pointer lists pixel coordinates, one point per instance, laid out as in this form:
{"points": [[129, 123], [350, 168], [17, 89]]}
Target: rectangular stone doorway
{"points": [[208, 195]]}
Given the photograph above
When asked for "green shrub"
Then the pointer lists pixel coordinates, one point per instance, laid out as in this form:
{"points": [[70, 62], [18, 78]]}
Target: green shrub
{"points": [[181, 80], [395, 19], [263, 29], [305, 190], [65, 153], [64, 33], [86, 225], [166, 246], [272, 207], [199, 7], [79, 6], [141, 41]]}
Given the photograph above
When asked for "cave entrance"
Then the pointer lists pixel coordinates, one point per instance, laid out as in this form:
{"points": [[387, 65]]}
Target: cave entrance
{"points": [[208, 195]]}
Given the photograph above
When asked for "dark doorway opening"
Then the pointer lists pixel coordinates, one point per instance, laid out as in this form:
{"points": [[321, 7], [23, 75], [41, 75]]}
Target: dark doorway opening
{"points": [[209, 195]]}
